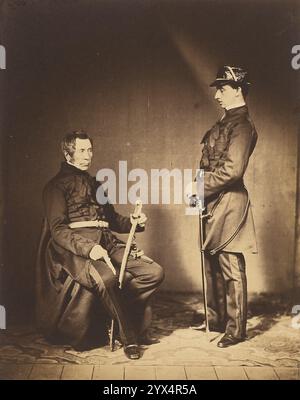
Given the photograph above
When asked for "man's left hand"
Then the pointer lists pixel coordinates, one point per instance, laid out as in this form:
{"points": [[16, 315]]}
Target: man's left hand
{"points": [[141, 220]]}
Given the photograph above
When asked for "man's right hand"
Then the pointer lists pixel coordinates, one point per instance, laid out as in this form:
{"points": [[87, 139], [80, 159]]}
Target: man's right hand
{"points": [[98, 252], [193, 200]]}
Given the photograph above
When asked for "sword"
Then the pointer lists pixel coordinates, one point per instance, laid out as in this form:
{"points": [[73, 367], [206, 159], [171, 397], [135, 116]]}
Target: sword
{"points": [[94, 273], [135, 215], [202, 262], [112, 326]]}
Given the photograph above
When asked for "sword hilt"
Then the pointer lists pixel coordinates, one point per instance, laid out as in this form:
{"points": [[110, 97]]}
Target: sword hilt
{"points": [[137, 209]]}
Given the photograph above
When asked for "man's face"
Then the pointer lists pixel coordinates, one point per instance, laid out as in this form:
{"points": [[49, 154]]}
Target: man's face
{"points": [[83, 154], [226, 95]]}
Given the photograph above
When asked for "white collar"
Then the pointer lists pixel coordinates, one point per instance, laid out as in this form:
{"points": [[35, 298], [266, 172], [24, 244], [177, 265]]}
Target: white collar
{"points": [[236, 105]]}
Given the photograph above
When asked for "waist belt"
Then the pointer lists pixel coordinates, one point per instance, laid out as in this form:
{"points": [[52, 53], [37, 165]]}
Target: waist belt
{"points": [[88, 224]]}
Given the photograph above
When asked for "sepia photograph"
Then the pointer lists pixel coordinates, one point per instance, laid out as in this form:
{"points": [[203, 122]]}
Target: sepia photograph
{"points": [[149, 192]]}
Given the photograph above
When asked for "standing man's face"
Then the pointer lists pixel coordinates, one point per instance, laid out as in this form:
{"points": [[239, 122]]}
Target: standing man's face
{"points": [[226, 95], [83, 154]]}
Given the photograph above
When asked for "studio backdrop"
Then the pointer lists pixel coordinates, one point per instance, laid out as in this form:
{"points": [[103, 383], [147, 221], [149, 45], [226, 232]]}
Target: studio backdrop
{"points": [[135, 75]]}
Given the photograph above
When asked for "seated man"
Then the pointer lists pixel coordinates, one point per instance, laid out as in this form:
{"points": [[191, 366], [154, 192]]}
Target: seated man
{"points": [[72, 274]]}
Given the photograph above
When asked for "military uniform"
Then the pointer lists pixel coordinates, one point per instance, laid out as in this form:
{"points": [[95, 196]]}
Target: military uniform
{"points": [[229, 229], [69, 283]]}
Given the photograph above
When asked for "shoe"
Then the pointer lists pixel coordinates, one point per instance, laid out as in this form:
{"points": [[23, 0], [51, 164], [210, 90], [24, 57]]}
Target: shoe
{"points": [[147, 340], [212, 327], [229, 340], [198, 320], [199, 324], [132, 351]]}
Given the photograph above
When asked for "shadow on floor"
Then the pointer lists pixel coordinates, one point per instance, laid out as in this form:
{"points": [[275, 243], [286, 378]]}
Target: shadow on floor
{"points": [[273, 341], [175, 311]]}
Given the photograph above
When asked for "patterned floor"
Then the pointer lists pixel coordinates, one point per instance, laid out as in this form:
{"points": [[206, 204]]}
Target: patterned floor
{"points": [[273, 342]]}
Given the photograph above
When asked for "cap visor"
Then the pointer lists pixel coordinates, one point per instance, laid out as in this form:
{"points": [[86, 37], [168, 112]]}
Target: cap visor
{"points": [[220, 82]]}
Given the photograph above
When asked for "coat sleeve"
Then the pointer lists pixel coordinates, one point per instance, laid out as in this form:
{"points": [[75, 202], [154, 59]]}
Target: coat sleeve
{"points": [[235, 163], [57, 217]]}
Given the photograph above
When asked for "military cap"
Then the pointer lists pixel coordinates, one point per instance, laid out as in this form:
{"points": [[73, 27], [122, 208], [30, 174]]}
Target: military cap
{"points": [[231, 75]]}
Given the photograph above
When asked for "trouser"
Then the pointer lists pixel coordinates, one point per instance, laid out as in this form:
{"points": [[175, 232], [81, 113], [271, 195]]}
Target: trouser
{"points": [[129, 306], [227, 292], [141, 280]]}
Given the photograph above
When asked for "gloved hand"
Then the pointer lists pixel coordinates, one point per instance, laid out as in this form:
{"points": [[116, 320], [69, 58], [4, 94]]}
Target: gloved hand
{"points": [[193, 200], [141, 220], [98, 252]]}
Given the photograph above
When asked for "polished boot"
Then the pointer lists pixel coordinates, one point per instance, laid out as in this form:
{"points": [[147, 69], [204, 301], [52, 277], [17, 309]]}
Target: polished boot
{"points": [[146, 339], [132, 351], [199, 323], [229, 340]]}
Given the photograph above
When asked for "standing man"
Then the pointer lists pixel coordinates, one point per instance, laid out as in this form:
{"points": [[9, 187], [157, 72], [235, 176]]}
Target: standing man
{"points": [[229, 229], [72, 273]]}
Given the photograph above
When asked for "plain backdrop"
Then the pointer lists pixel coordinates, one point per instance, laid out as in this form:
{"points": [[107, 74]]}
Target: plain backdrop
{"points": [[135, 75]]}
